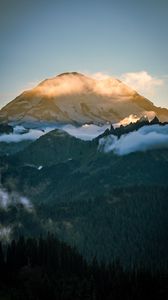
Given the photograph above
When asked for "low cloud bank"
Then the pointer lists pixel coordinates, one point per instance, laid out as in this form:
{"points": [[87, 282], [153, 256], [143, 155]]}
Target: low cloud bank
{"points": [[146, 138], [20, 134], [85, 132]]}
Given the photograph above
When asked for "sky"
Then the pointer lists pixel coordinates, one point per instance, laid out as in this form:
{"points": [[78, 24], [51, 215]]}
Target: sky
{"points": [[126, 39]]}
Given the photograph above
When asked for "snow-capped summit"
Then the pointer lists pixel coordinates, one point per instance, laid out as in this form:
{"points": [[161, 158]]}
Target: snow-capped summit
{"points": [[77, 98]]}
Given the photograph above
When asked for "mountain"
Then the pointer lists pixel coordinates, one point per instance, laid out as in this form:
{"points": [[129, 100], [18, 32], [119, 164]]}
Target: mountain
{"points": [[56, 147], [76, 98], [106, 205]]}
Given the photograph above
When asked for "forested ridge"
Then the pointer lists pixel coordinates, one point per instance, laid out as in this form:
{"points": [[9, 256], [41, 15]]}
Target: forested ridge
{"points": [[131, 224], [46, 268], [112, 209]]}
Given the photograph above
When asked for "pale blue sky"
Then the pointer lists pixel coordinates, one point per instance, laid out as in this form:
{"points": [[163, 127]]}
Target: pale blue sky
{"points": [[42, 38]]}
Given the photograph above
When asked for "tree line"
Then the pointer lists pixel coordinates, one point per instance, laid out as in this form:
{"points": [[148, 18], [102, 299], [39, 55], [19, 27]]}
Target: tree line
{"points": [[47, 268]]}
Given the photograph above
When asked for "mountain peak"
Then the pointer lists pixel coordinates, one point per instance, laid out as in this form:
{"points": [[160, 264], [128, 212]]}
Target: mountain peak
{"points": [[70, 73], [72, 97], [63, 77], [155, 120]]}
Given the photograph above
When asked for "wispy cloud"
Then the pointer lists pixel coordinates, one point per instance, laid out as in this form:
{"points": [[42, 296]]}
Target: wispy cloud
{"points": [[5, 232], [11, 199], [143, 82], [71, 84]]}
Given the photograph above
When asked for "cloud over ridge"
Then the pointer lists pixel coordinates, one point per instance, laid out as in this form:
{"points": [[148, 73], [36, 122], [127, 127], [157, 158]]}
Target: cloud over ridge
{"points": [[16, 137], [144, 139]]}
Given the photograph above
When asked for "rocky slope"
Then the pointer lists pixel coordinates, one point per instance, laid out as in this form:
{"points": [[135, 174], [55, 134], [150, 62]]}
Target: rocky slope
{"points": [[75, 98]]}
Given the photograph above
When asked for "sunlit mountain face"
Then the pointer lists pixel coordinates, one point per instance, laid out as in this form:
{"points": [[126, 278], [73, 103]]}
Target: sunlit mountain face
{"points": [[87, 160], [76, 98]]}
